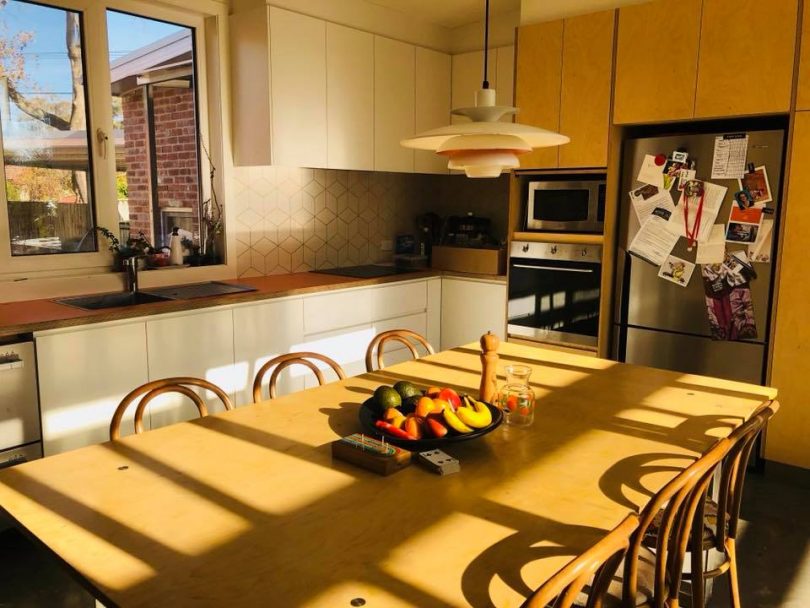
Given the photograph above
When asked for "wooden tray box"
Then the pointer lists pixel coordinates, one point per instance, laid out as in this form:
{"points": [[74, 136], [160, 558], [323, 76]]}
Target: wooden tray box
{"points": [[469, 259]]}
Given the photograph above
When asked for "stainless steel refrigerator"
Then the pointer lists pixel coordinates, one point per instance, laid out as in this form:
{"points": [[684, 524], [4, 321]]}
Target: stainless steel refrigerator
{"points": [[661, 324]]}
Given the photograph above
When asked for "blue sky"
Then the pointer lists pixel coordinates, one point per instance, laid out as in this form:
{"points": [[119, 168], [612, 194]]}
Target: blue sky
{"points": [[46, 58]]}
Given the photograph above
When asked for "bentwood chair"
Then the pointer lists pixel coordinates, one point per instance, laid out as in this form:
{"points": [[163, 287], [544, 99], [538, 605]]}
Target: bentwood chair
{"points": [[595, 568], [652, 578], [284, 361], [716, 523], [405, 336], [150, 390]]}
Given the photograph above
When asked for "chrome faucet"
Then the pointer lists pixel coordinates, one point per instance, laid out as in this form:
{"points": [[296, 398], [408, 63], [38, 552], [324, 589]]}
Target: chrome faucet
{"points": [[131, 272]]}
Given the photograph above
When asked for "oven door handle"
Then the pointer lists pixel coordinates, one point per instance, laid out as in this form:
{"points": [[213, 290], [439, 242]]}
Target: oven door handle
{"points": [[554, 268]]}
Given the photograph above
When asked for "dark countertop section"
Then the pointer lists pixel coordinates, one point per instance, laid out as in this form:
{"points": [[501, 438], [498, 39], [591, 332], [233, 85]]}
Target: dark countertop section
{"points": [[38, 315]]}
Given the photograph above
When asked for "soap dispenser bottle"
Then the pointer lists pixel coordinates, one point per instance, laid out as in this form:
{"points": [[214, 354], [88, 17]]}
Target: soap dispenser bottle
{"points": [[176, 248]]}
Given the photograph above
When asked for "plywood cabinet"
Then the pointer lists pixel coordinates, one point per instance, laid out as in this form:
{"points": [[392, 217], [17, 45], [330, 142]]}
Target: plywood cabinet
{"points": [[350, 98], [298, 89], [790, 368], [587, 68], [394, 104], [432, 97], [747, 50], [538, 85], [656, 61], [803, 86]]}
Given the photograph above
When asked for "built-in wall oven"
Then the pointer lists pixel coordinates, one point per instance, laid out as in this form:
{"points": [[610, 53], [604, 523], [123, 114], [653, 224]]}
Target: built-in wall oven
{"points": [[554, 292]]}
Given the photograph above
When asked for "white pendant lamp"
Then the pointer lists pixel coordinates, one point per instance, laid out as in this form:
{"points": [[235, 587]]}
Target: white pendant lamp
{"points": [[484, 147]]}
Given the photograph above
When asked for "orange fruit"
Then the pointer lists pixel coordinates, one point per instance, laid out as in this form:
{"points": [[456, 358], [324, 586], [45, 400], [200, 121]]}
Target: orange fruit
{"points": [[424, 407]]}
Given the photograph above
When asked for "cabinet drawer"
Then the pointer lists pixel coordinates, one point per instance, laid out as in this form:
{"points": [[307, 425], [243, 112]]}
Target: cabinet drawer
{"points": [[399, 300], [335, 310]]}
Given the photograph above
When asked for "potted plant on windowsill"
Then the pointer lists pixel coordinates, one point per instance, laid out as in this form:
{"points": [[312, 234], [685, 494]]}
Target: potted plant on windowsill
{"points": [[138, 245], [212, 221]]}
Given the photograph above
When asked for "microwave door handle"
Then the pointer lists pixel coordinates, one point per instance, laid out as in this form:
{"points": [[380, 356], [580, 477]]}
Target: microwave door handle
{"points": [[554, 268]]}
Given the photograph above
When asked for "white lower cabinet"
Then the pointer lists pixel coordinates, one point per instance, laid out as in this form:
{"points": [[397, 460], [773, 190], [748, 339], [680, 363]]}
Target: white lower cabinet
{"points": [[261, 332], [199, 344], [471, 308], [83, 375]]}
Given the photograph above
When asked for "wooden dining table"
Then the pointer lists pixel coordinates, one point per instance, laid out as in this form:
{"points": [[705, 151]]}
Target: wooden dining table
{"points": [[248, 508]]}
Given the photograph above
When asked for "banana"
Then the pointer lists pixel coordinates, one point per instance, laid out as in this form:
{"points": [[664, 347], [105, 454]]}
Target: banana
{"points": [[474, 413], [453, 421]]}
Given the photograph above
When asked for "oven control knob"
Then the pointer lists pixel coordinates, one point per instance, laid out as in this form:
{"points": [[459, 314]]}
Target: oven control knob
{"points": [[525, 248], [584, 252], [553, 249]]}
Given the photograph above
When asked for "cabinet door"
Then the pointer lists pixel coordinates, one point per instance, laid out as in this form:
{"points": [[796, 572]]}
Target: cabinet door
{"points": [[198, 344], [537, 90], [471, 309], [77, 401], [747, 51], [505, 76], [656, 61], [394, 81], [432, 104], [587, 69], [350, 98], [787, 432], [260, 333], [298, 89]]}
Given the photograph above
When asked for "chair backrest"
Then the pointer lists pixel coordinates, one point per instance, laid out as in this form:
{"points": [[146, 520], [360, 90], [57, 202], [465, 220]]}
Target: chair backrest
{"points": [[732, 478], [282, 362], [405, 336], [150, 390], [597, 565], [679, 500]]}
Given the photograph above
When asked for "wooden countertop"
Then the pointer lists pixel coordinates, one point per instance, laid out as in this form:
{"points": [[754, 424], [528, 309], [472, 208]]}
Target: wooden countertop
{"points": [[247, 508], [38, 315]]}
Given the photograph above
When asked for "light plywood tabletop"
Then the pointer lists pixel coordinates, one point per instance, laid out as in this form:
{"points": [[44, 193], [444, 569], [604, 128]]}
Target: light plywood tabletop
{"points": [[247, 508]]}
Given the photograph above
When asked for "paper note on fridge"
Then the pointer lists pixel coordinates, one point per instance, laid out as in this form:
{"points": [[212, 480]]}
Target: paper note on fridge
{"points": [[760, 251], [713, 251], [654, 241], [649, 197], [651, 172], [730, 152], [712, 201]]}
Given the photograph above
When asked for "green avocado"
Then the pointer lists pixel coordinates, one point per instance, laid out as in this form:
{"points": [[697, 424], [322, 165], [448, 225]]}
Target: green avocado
{"points": [[406, 389], [385, 397]]}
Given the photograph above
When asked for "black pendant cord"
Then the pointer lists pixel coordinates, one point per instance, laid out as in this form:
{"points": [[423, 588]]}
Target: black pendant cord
{"points": [[486, 43]]}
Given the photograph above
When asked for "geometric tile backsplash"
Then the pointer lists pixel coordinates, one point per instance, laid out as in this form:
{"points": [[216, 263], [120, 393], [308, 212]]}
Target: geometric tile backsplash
{"points": [[294, 220]]}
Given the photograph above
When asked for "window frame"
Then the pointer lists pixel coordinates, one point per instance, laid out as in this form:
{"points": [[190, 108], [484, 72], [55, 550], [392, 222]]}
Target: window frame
{"points": [[99, 116]]}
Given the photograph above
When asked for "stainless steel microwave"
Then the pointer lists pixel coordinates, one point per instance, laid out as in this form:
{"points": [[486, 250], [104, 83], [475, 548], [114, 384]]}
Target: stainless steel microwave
{"points": [[566, 206]]}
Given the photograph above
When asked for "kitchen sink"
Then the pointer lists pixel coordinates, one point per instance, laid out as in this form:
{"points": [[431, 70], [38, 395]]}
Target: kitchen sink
{"points": [[112, 300]]}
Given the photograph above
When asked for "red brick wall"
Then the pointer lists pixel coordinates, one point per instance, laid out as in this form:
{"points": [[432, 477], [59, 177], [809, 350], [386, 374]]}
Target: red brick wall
{"points": [[175, 137]]}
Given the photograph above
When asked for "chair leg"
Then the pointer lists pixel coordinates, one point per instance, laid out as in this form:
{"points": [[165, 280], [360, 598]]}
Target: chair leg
{"points": [[733, 581], [696, 575]]}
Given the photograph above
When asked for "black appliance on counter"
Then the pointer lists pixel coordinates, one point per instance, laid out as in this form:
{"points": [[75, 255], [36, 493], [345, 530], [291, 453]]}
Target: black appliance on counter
{"points": [[468, 231], [554, 293]]}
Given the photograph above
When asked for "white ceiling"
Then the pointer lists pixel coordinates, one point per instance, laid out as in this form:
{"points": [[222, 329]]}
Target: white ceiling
{"points": [[452, 13]]}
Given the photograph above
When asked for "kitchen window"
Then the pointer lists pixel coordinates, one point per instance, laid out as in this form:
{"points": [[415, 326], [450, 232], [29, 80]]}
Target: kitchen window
{"points": [[97, 130]]}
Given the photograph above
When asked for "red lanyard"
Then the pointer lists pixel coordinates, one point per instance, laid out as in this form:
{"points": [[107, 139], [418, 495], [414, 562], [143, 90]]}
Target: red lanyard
{"points": [[692, 235]]}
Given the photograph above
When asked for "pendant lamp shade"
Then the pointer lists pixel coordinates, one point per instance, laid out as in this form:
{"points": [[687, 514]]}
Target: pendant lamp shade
{"points": [[484, 147]]}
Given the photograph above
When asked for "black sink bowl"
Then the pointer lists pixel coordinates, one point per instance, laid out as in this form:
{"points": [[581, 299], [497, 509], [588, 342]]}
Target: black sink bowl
{"points": [[112, 300]]}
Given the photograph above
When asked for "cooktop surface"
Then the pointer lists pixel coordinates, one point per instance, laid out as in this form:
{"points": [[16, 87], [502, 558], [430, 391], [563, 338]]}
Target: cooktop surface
{"points": [[367, 271]]}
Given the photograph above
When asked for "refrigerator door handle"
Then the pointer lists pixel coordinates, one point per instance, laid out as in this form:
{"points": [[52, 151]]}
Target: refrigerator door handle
{"points": [[553, 268]]}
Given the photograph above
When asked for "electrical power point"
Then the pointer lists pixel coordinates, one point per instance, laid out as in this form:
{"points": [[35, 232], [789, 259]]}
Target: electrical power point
{"points": [[386, 245]]}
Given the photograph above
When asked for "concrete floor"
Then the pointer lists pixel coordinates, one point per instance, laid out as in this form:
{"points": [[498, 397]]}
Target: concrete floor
{"points": [[774, 553]]}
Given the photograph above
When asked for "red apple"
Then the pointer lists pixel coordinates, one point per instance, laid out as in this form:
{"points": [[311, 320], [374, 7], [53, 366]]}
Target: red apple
{"points": [[451, 396]]}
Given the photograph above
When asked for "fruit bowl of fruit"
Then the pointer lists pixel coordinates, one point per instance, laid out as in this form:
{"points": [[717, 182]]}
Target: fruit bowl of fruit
{"points": [[410, 418]]}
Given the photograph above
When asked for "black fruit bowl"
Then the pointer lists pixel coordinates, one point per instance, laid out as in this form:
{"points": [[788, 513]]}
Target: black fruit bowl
{"points": [[368, 416]]}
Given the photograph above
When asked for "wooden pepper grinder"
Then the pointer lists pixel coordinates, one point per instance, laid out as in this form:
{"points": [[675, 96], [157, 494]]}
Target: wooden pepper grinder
{"points": [[489, 367]]}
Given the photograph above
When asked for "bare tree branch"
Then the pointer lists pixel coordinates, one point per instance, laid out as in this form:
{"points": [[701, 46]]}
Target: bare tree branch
{"points": [[35, 111]]}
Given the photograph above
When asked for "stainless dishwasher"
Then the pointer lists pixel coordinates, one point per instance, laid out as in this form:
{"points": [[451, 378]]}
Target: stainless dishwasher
{"points": [[20, 434]]}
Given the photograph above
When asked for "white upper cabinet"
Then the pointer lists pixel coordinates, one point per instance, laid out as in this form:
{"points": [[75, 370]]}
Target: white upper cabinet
{"points": [[394, 104], [432, 104], [298, 89], [350, 98]]}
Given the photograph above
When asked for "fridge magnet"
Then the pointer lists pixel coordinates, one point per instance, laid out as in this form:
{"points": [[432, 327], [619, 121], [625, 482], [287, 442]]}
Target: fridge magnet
{"points": [[646, 198], [651, 172], [680, 156], [744, 199], [755, 181], [730, 153], [675, 270]]}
